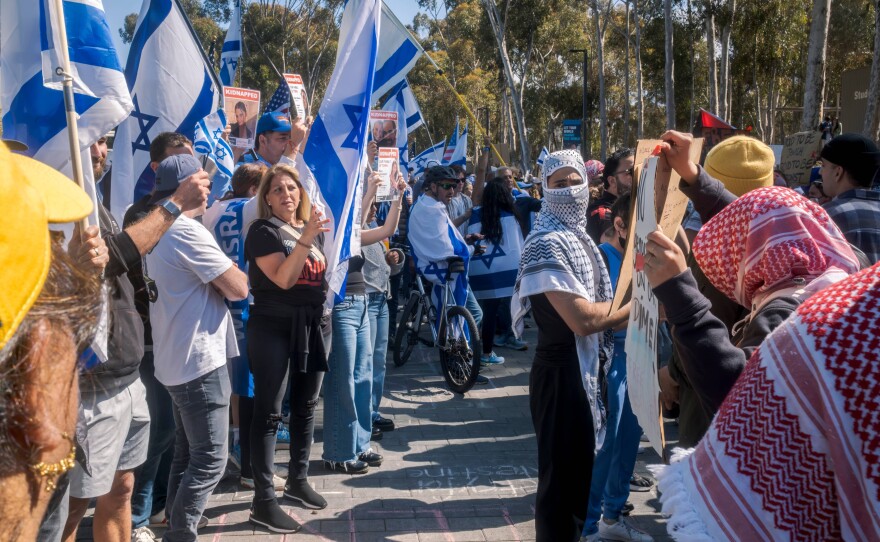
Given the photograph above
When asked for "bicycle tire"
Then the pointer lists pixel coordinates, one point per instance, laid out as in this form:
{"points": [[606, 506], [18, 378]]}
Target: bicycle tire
{"points": [[460, 361], [407, 335]]}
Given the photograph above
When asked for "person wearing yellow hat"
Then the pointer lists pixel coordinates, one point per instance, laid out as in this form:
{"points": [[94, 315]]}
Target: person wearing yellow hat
{"points": [[48, 310]]}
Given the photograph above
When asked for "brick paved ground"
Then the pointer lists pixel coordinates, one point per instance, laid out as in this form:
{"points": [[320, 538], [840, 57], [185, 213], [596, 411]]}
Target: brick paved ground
{"points": [[456, 469]]}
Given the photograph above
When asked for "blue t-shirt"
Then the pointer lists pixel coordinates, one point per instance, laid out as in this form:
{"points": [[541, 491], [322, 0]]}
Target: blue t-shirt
{"points": [[614, 259]]}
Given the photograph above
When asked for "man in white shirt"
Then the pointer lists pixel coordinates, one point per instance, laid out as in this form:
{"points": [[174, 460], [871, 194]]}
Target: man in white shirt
{"points": [[193, 335]]}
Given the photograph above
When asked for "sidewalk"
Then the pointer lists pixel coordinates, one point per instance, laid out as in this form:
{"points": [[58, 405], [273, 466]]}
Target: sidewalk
{"points": [[457, 469]]}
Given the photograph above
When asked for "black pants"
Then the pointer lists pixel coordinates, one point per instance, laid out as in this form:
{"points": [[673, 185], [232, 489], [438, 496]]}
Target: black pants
{"points": [[490, 310], [245, 420], [566, 445], [269, 357]]}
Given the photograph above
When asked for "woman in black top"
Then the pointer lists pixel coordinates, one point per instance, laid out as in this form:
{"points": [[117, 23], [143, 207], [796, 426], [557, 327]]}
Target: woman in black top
{"points": [[286, 342]]}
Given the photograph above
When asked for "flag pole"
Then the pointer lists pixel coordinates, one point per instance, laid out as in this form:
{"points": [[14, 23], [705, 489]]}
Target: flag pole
{"points": [[69, 106]]}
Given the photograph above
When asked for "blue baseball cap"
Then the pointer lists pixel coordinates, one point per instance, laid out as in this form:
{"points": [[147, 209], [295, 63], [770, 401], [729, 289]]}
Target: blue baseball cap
{"points": [[273, 122], [171, 172]]}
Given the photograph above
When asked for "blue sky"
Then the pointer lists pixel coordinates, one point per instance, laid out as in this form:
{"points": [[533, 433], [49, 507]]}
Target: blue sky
{"points": [[117, 10]]}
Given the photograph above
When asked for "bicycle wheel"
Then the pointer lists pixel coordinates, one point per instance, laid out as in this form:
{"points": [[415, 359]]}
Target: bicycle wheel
{"points": [[407, 335], [459, 355]]}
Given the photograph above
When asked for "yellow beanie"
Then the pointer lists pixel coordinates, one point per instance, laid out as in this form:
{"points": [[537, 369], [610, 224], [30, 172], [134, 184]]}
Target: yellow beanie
{"points": [[742, 163]]}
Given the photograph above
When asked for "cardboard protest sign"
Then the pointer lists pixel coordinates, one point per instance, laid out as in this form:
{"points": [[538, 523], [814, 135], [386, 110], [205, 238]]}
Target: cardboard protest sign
{"points": [[799, 155], [388, 169], [242, 107], [670, 205], [383, 128], [299, 99], [641, 333]]}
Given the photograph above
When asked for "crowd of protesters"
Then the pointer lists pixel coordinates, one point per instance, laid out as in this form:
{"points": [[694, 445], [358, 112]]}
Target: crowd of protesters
{"points": [[221, 346]]}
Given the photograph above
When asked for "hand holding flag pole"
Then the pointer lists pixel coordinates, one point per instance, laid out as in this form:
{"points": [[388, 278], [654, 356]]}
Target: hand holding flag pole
{"points": [[69, 107]]}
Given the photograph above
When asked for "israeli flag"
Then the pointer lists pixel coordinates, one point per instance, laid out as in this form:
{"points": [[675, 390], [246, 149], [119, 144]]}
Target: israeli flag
{"points": [[171, 88], [459, 155], [492, 275], [543, 156], [453, 142], [231, 48], [337, 142], [404, 103], [398, 53], [209, 142], [420, 162]]}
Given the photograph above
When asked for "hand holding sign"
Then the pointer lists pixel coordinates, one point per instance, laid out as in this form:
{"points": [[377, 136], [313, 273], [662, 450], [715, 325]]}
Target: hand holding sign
{"points": [[664, 259]]}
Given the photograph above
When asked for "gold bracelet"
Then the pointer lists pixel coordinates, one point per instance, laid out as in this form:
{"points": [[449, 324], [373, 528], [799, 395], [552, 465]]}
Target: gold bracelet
{"points": [[51, 471]]}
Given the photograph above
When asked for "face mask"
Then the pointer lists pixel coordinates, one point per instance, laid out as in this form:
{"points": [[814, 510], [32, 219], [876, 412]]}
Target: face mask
{"points": [[569, 205]]}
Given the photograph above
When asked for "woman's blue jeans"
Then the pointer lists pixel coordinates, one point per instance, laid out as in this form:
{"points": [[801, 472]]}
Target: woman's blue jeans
{"points": [[616, 460], [349, 383], [377, 307]]}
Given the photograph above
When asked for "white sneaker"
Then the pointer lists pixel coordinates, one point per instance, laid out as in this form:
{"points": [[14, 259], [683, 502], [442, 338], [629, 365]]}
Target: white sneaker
{"points": [[277, 481], [143, 534], [158, 519], [623, 531]]}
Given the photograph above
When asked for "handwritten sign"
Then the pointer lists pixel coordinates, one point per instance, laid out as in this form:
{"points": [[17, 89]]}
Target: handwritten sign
{"points": [[799, 155], [670, 204], [641, 333]]}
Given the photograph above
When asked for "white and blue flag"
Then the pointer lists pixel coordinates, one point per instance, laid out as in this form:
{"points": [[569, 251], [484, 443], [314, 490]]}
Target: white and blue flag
{"points": [[453, 142], [459, 154], [404, 103], [492, 275], [208, 141], [541, 157], [171, 88], [337, 143], [231, 52], [435, 153], [397, 54]]}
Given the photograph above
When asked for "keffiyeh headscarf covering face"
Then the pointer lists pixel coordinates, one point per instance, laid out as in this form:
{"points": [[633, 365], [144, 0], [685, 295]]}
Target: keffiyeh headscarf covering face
{"points": [[568, 205], [767, 238]]}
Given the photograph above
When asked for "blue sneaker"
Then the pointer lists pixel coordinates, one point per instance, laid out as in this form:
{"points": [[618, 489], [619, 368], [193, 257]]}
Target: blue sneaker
{"points": [[282, 439], [491, 359], [235, 455]]}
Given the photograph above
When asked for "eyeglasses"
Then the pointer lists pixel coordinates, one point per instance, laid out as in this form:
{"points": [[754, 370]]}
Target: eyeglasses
{"points": [[447, 186], [627, 171]]}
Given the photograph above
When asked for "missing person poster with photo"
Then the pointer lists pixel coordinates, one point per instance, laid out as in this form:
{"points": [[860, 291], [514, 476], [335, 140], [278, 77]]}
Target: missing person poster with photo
{"points": [[383, 128], [242, 107], [299, 99], [388, 169]]}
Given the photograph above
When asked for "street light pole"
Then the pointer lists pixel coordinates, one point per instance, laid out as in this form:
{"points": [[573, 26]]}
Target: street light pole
{"points": [[586, 135]]}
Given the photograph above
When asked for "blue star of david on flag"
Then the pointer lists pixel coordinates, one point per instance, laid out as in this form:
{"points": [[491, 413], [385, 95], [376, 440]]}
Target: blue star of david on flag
{"points": [[488, 257], [354, 112], [145, 123], [440, 272], [209, 141]]}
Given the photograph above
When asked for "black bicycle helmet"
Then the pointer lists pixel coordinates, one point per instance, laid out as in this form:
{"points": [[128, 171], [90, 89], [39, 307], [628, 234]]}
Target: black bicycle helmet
{"points": [[438, 174]]}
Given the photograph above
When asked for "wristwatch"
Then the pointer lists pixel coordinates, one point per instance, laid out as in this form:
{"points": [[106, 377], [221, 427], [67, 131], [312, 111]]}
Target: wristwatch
{"points": [[172, 208]]}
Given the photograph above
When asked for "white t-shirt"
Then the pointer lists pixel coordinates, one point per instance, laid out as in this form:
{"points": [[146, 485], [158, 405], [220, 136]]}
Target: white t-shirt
{"points": [[193, 333]]}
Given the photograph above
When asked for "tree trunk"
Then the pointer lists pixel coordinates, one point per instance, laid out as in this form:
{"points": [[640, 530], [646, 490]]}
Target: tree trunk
{"points": [[627, 93], [640, 95], [759, 121], [814, 89], [724, 94], [600, 67], [693, 65], [670, 62], [872, 114], [771, 106], [498, 29], [713, 67]]}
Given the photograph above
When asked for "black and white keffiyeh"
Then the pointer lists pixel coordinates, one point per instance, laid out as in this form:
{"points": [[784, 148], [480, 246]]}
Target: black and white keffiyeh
{"points": [[559, 256]]}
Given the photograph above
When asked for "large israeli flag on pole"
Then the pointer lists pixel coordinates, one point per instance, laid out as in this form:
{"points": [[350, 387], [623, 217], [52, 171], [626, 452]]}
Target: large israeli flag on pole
{"points": [[398, 53], [231, 47], [172, 89], [459, 155], [33, 103], [335, 150]]}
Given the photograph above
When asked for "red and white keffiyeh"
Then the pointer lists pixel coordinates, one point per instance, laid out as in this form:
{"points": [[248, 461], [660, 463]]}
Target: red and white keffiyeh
{"points": [[794, 452], [766, 238]]}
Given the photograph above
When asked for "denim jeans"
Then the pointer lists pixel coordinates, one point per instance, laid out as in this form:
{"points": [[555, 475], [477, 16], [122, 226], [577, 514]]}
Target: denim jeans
{"points": [[616, 460], [52, 526], [151, 478], [377, 308], [348, 390], [474, 307], [201, 414]]}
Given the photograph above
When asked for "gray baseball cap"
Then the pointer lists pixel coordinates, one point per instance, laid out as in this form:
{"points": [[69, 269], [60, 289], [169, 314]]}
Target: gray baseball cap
{"points": [[171, 172]]}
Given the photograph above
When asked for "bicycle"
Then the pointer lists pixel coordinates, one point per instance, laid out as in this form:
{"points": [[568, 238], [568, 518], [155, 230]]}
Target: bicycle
{"points": [[456, 335]]}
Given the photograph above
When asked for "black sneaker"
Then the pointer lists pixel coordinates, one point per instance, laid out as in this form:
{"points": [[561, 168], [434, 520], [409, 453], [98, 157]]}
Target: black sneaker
{"points": [[383, 423], [371, 458], [272, 517], [627, 508], [481, 380], [348, 467], [377, 434], [301, 491]]}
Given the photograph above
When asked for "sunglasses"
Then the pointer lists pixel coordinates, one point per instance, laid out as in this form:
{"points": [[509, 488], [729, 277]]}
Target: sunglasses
{"points": [[447, 186], [629, 172]]}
